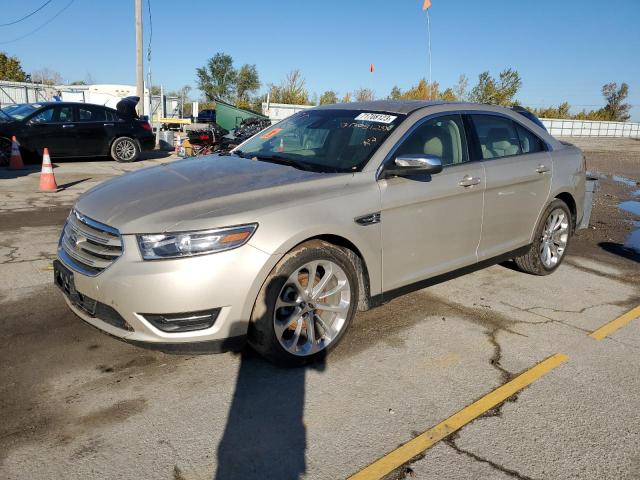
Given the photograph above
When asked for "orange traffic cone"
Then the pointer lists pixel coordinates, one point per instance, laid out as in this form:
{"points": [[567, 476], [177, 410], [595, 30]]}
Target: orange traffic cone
{"points": [[15, 163], [47, 178]]}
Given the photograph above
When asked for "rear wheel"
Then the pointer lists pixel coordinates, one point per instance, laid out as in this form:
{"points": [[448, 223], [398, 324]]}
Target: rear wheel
{"points": [[305, 306], [125, 149], [550, 242]]}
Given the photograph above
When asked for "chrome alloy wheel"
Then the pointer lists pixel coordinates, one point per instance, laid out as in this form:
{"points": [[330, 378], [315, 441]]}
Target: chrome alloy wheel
{"points": [[555, 236], [125, 149], [312, 308]]}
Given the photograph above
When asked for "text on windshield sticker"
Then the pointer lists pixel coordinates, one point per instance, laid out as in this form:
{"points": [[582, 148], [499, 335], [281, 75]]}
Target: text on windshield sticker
{"points": [[376, 117]]}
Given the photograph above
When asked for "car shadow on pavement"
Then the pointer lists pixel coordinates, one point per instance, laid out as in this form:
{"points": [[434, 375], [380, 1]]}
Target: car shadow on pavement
{"points": [[620, 250], [6, 174], [265, 436]]}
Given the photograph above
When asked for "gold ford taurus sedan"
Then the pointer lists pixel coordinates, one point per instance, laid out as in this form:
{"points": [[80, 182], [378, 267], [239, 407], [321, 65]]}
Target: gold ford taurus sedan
{"points": [[335, 209]]}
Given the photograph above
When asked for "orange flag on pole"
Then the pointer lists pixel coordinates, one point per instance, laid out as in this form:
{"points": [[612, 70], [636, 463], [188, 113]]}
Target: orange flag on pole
{"points": [[426, 4]]}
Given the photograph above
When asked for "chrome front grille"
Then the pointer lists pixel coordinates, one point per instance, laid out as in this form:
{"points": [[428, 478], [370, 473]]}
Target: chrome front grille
{"points": [[88, 246]]}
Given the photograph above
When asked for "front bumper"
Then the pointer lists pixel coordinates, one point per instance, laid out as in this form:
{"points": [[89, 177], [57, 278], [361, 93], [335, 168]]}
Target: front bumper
{"points": [[229, 281]]}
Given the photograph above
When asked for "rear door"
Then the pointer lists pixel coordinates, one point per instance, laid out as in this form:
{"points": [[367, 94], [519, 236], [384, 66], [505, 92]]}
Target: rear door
{"points": [[53, 128], [518, 170], [431, 224], [94, 128]]}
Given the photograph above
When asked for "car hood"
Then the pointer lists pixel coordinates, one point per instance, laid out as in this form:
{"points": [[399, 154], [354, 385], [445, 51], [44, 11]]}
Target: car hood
{"points": [[203, 192]]}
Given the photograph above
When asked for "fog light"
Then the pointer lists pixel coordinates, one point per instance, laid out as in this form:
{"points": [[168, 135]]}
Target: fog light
{"points": [[182, 322]]}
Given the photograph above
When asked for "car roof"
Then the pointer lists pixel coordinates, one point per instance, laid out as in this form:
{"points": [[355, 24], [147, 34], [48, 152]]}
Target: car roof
{"points": [[406, 107], [48, 103], [390, 106]]}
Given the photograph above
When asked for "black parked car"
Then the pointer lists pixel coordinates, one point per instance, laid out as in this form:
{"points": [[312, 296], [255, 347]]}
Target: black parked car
{"points": [[206, 116], [75, 130]]}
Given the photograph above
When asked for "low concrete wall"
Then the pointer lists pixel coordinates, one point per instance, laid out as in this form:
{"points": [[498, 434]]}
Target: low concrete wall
{"points": [[587, 128]]}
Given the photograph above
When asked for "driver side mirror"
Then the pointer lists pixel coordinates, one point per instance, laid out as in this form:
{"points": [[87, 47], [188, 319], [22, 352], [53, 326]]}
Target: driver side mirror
{"points": [[414, 164]]}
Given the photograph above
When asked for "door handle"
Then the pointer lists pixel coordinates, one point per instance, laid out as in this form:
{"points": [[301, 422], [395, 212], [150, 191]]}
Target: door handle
{"points": [[469, 181], [68, 126], [542, 169], [108, 124]]}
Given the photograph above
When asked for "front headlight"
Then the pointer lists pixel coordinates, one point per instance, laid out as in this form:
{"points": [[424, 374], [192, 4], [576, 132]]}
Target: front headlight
{"points": [[188, 244]]}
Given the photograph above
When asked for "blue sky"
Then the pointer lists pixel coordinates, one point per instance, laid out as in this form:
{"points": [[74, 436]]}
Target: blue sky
{"points": [[563, 49]]}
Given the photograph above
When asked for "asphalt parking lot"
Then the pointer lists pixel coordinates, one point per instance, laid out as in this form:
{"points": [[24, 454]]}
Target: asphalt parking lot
{"points": [[77, 404]]}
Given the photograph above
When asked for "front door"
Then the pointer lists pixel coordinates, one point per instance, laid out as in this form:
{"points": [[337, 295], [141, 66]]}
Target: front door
{"points": [[518, 170], [53, 128], [431, 224]]}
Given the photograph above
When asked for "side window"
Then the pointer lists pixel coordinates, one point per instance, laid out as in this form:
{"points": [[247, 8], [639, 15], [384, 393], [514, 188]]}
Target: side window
{"points": [[529, 142], [497, 136], [441, 136], [65, 114], [88, 113], [45, 116]]}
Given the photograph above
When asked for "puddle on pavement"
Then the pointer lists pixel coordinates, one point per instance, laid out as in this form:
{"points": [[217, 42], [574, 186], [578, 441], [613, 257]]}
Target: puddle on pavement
{"points": [[631, 206], [627, 181], [633, 240]]}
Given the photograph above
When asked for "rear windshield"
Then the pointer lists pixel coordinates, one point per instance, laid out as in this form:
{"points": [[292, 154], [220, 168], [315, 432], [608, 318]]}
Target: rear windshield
{"points": [[330, 140]]}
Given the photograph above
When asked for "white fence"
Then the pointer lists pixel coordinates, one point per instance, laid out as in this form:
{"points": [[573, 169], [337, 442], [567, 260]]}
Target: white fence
{"points": [[587, 128]]}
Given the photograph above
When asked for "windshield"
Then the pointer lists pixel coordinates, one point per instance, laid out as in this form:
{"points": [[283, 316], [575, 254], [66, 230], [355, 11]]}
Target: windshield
{"points": [[19, 112], [324, 140]]}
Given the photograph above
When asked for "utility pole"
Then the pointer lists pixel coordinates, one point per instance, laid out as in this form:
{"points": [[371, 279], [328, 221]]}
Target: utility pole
{"points": [[139, 67]]}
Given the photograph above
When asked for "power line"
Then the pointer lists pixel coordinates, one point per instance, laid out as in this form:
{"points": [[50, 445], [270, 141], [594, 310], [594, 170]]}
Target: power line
{"points": [[41, 26], [26, 16]]}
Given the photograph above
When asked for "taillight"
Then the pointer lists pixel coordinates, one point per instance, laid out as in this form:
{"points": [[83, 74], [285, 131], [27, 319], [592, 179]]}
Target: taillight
{"points": [[146, 126]]}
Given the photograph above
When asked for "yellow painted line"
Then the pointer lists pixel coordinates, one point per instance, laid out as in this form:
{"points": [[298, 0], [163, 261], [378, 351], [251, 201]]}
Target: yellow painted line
{"points": [[406, 452], [614, 325]]}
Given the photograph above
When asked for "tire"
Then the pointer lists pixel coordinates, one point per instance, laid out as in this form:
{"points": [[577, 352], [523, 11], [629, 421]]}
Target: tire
{"points": [[535, 261], [280, 328], [125, 149]]}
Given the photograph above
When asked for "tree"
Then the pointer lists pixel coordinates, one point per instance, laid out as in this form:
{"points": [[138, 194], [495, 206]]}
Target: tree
{"points": [[46, 76], [291, 90], [346, 98], [364, 95], [615, 109], [448, 95], [422, 91], [499, 91], [460, 89], [155, 90], [11, 69], [247, 84], [217, 79], [396, 93], [328, 97]]}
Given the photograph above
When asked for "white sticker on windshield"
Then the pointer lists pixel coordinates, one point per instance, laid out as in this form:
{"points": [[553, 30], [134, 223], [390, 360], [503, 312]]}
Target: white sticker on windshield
{"points": [[376, 117]]}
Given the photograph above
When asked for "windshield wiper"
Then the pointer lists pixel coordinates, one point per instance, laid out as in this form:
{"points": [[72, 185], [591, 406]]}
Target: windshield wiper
{"points": [[282, 161]]}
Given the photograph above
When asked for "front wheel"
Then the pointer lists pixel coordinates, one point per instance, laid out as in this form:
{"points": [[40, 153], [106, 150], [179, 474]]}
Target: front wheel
{"points": [[551, 240], [125, 149], [305, 306]]}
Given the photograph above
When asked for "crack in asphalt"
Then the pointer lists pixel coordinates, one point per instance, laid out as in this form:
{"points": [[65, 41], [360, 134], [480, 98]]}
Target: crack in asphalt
{"points": [[550, 319], [451, 441]]}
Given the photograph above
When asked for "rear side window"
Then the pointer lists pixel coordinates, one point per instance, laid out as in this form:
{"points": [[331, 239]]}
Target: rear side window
{"points": [[88, 113], [529, 142], [497, 136]]}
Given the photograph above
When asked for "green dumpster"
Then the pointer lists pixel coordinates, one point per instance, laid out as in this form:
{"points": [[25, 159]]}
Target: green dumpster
{"points": [[229, 116]]}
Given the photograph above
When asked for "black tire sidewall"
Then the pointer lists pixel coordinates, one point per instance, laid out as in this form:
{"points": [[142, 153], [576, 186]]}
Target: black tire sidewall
{"points": [[120, 139], [538, 235], [262, 336]]}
